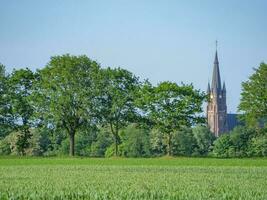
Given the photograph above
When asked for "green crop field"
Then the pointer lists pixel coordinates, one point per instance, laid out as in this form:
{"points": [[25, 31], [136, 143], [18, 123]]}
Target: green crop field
{"points": [[118, 178]]}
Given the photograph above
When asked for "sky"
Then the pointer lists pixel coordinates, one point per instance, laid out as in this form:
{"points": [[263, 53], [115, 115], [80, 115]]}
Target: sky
{"points": [[159, 40]]}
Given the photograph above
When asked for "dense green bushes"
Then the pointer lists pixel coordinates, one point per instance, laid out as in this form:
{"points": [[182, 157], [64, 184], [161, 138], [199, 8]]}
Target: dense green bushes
{"points": [[241, 142], [135, 141]]}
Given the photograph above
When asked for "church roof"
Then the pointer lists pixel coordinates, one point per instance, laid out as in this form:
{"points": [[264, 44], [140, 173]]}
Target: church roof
{"points": [[233, 121]]}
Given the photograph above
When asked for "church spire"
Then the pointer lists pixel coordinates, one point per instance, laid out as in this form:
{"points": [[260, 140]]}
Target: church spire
{"points": [[217, 108], [224, 88], [216, 79], [208, 89]]}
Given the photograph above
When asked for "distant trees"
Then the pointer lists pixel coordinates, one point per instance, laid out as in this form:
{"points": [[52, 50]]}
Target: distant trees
{"points": [[74, 105]]}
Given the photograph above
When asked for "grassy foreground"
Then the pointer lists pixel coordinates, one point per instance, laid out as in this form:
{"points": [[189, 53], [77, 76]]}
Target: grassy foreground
{"points": [[158, 178]]}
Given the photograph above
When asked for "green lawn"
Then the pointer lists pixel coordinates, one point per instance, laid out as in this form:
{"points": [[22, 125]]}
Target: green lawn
{"points": [[117, 178]]}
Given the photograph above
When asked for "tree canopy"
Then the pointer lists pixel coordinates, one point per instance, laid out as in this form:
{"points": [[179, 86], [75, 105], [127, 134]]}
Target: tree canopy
{"points": [[66, 93], [171, 107], [118, 108], [254, 97]]}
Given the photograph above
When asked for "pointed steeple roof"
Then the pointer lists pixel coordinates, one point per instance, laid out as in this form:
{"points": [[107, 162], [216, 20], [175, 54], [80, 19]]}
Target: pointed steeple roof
{"points": [[208, 89], [216, 79], [224, 88]]}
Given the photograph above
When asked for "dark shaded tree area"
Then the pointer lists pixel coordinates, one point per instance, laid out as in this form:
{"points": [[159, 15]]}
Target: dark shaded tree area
{"points": [[74, 106]]}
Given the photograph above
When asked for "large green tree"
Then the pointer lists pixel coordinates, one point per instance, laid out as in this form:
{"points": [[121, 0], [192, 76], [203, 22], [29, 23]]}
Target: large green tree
{"points": [[171, 107], [66, 94], [254, 96], [20, 86], [118, 95]]}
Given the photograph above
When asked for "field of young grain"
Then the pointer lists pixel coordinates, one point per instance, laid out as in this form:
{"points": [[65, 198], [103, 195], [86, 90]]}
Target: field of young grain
{"points": [[161, 178]]}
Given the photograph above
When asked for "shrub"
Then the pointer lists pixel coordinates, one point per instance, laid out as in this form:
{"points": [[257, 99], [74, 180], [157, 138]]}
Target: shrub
{"points": [[222, 146]]}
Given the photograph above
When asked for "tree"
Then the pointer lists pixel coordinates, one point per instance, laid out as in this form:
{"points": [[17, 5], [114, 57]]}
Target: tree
{"points": [[183, 142], [83, 144], [5, 106], [157, 142], [171, 107], [118, 96], [241, 140], [254, 96], [66, 94], [103, 141], [204, 139], [135, 141], [21, 86]]}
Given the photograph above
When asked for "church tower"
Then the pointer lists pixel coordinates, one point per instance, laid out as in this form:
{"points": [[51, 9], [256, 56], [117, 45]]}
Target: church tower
{"points": [[216, 108]]}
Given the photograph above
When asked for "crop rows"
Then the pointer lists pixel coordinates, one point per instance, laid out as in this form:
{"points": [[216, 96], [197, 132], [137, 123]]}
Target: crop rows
{"points": [[132, 182]]}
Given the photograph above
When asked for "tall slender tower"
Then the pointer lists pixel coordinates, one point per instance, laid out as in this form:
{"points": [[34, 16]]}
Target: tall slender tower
{"points": [[216, 108]]}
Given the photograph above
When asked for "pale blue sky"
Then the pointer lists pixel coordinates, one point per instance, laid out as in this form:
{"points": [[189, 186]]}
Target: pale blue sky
{"points": [[155, 39]]}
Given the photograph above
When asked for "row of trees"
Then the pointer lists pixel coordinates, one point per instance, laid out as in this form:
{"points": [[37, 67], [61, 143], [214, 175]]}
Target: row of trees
{"points": [[73, 103], [73, 94]]}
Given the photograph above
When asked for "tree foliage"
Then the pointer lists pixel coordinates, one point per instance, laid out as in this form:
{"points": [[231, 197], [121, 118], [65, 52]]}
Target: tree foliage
{"points": [[21, 88], [72, 102], [5, 105], [171, 107], [254, 96], [118, 108], [183, 142], [204, 140], [135, 141], [66, 93]]}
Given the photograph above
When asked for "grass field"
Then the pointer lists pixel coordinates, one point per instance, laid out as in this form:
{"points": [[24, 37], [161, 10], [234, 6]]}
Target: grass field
{"points": [[117, 178]]}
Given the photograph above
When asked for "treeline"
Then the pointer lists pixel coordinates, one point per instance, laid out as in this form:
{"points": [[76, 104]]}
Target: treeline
{"points": [[75, 106]]}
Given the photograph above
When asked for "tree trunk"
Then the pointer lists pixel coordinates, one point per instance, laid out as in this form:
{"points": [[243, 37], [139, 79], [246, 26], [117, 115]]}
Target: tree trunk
{"points": [[72, 136], [116, 138], [116, 145], [169, 145]]}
